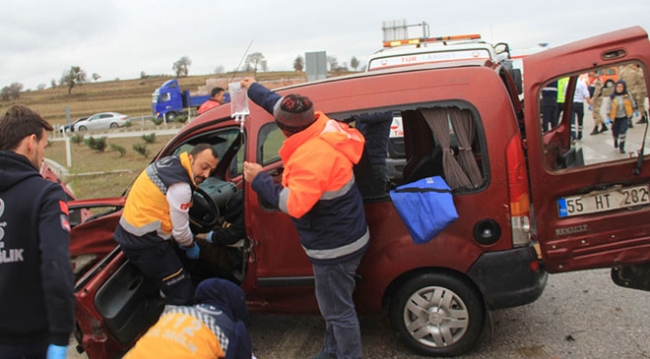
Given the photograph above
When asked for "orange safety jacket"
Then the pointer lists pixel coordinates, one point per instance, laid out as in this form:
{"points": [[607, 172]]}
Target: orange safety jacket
{"points": [[146, 209], [627, 104], [182, 332], [318, 189]]}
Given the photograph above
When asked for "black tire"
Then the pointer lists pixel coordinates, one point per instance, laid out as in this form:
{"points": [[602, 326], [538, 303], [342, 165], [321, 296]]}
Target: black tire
{"points": [[170, 116], [438, 314], [82, 128], [114, 125]]}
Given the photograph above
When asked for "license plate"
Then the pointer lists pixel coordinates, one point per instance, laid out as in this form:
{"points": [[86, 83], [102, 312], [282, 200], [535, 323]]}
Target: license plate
{"points": [[603, 201]]}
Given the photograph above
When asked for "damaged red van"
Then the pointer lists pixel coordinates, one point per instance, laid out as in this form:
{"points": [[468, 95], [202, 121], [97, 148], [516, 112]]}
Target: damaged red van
{"points": [[528, 202]]}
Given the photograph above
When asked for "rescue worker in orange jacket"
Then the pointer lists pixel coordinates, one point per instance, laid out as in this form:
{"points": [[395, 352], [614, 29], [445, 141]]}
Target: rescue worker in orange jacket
{"points": [[318, 191]]}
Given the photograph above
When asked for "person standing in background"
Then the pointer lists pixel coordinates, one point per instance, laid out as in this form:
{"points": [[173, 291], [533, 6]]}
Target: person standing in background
{"points": [[621, 109], [580, 97], [217, 97], [37, 303], [596, 103], [550, 106], [635, 85]]}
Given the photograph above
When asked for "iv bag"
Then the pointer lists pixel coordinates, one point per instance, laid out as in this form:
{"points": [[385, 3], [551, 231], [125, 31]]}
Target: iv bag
{"points": [[238, 100]]}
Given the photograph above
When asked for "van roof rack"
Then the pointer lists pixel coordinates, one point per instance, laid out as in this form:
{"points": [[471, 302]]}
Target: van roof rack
{"points": [[421, 40]]}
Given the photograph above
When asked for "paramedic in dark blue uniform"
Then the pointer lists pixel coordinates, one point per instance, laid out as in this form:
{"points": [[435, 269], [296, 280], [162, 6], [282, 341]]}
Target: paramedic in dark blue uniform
{"points": [[36, 280]]}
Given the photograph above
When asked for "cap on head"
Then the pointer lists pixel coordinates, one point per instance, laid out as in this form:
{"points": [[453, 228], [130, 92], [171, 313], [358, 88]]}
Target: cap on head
{"points": [[294, 113]]}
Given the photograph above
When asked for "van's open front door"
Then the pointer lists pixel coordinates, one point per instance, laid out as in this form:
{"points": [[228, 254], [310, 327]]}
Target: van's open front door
{"points": [[591, 200]]}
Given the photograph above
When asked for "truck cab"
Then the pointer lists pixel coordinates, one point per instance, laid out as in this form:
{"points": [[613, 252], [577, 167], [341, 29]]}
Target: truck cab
{"points": [[168, 100], [529, 202]]}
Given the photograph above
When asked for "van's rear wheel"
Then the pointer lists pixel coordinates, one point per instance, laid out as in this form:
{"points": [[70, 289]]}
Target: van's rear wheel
{"points": [[438, 314]]}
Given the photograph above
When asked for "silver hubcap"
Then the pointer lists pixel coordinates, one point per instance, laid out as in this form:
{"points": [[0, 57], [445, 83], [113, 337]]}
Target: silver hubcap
{"points": [[436, 317]]}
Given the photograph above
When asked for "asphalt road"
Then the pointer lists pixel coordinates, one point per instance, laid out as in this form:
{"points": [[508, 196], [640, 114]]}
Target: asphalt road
{"points": [[580, 315]]}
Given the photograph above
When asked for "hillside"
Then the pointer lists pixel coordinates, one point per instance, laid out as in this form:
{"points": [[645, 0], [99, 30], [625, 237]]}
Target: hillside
{"points": [[130, 97]]}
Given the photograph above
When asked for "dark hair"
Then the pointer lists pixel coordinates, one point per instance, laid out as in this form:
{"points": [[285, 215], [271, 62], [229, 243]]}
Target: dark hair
{"points": [[202, 147], [19, 122], [215, 91]]}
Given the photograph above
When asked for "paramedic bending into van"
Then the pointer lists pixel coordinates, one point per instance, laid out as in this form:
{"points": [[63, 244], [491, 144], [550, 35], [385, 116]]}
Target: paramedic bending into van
{"points": [[319, 193]]}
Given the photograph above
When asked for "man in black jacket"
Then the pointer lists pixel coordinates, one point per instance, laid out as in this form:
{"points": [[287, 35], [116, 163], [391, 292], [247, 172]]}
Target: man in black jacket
{"points": [[36, 280]]}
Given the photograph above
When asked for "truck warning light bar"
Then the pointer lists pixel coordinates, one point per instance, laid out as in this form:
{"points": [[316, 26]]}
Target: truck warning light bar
{"points": [[418, 41]]}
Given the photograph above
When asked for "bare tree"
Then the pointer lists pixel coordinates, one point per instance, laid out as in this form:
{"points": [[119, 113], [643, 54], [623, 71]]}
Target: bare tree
{"points": [[180, 67], [53, 83], [11, 92], [299, 63], [354, 63], [95, 76], [40, 87], [75, 76], [254, 60]]}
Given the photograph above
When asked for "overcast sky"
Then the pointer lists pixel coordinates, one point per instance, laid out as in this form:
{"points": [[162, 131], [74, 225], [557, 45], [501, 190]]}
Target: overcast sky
{"points": [[121, 38]]}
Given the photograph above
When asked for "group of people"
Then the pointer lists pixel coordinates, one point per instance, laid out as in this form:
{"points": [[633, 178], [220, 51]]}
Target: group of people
{"points": [[154, 233], [617, 108], [328, 215]]}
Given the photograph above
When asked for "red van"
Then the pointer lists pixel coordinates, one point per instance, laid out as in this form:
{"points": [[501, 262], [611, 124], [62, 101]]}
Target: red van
{"points": [[529, 203]]}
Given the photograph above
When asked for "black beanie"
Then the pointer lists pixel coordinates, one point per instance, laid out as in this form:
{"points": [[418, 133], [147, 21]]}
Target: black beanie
{"points": [[294, 113]]}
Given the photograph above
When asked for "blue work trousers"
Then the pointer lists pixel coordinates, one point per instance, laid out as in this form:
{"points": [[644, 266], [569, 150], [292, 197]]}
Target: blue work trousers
{"points": [[334, 287]]}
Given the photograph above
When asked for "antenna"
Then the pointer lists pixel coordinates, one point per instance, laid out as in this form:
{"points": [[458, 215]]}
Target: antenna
{"points": [[240, 61]]}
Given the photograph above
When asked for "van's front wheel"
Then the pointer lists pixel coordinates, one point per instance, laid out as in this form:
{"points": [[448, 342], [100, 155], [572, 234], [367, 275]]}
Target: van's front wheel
{"points": [[438, 314]]}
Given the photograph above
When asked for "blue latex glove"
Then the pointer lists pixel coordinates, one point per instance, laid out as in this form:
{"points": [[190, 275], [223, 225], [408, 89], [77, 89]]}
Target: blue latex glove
{"points": [[56, 351], [637, 114], [193, 253], [208, 237], [591, 108], [608, 121]]}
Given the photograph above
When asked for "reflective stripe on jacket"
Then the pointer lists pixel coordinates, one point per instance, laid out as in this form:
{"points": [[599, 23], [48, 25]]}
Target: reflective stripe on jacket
{"points": [[182, 332], [146, 209], [318, 189]]}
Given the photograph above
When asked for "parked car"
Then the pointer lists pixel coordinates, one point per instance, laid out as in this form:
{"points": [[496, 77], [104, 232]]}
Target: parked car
{"points": [[462, 121], [102, 121], [70, 126]]}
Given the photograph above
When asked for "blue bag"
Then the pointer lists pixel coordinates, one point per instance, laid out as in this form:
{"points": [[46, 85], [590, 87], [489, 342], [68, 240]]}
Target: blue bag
{"points": [[426, 207]]}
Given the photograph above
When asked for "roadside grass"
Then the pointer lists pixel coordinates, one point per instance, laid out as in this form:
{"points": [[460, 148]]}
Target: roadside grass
{"points": [[95, 174]]}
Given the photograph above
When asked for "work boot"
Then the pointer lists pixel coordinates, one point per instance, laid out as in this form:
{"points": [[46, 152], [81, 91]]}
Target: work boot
{"points": [[642, 120], [580, 135], [595, 131], [603, 128], [621, 148], [615, 143]]}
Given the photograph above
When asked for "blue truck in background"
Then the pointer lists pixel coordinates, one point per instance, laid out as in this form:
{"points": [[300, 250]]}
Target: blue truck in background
{"points": [[169, 101]]}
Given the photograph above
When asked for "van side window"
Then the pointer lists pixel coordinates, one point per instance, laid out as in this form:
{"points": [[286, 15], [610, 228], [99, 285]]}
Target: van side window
{"points": [[403, 146], [444, 141]]}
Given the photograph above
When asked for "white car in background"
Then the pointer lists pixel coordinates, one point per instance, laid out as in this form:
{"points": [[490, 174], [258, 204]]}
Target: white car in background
{"points": [[102, 121]]}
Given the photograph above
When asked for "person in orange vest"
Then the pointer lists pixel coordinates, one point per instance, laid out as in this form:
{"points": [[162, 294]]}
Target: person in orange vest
{"points": [[211, 328], [217, 97], [318, 191]]}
